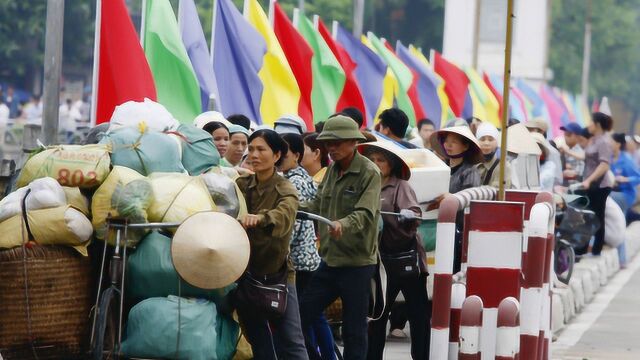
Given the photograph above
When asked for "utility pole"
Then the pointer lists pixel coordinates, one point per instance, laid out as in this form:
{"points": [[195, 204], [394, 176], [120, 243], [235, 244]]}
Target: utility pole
{"points": [[358, 17], [476, 35], [505, 98], [52, 70], [586, 56]]}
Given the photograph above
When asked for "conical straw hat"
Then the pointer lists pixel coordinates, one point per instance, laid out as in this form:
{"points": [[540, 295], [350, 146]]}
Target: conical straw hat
{"points": [[475, 155], [521, 141], [394, 150], [210, 250]]}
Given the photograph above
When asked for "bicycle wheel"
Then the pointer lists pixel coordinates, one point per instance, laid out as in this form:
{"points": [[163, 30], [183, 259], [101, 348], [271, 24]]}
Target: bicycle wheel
{"points": [[106, 326], [565, 258]]}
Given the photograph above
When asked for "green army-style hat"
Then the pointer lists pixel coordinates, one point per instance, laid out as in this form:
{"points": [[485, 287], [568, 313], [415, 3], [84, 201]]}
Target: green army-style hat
{"points": [[340, 127]]}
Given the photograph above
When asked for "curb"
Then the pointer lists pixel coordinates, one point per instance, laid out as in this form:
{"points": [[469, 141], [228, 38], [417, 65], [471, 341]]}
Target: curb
{"points": [[589, 275]]}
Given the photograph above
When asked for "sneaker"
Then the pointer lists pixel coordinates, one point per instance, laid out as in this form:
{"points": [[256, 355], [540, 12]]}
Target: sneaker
{"points": [[397, 334]]}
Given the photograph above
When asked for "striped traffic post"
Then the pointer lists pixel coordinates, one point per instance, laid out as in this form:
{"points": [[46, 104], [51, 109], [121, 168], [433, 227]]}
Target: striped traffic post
{"points": [[494, 261], [528, 197], [442, 279], [531, 293], [458, 294], [470, 326], [508, 338], [545, 324]]}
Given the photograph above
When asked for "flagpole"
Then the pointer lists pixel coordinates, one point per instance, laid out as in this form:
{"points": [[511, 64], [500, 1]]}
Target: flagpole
{"points": [[296, 17], [212, 98], [505, 98], [316, 20], [96, 64], [272, 13], [334, 29], [245, 9], [143, 20]]}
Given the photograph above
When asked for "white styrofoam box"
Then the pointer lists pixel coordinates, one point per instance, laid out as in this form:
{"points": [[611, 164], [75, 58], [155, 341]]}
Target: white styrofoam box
{"points": [[429, 175]]}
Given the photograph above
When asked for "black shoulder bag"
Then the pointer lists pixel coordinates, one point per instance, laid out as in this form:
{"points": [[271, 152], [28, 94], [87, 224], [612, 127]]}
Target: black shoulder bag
{"points": [[263, 296], [401, 264]]}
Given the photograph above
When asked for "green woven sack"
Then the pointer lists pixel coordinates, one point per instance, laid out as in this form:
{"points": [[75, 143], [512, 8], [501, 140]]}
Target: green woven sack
{"points": [[151, 273], [199, 153], [427, 230], [152, 330], [145, 152]]}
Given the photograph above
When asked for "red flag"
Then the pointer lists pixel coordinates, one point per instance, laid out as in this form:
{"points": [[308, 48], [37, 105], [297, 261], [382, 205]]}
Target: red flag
{"points": [[456, 82], [299, 55], [123, 71], [494, 91], [351, 95]]}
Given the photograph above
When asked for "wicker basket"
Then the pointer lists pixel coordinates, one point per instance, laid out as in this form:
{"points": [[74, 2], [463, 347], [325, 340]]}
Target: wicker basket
{"points": [[60, 300]]}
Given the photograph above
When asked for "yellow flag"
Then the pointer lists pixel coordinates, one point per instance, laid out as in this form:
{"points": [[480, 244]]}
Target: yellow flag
{"points": [[281, 93], [442, 95], [484, 97], [390, 85]]}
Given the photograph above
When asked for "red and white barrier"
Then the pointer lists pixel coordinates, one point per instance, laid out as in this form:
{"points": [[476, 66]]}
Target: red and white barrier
{"points": [[494, 261], [528, 197], [458, 294], [442, 279], [544, 340], [531, 294], [470, 326], [508, 334]]}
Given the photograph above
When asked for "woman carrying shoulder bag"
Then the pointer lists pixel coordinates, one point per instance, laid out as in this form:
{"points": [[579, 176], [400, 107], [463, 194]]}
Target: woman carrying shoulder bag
{"points": [[401, 252], [266, 296]]}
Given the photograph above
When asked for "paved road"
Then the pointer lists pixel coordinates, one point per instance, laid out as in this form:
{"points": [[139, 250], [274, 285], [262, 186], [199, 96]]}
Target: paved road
{"points": [[609, 327]]}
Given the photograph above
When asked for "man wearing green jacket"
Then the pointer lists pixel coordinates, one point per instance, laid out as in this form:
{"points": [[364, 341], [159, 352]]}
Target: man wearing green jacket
{"points": [[349, 195]]}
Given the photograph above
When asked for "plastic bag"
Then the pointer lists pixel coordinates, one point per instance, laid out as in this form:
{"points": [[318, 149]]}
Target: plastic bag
{"points": [[199, 153], [615, 224], [83, 166], [145, 151], [152, 330], [62, 225], [152, 274], [223, 192], [132, 113], [125, 193], [44, 193], [178, 196]]}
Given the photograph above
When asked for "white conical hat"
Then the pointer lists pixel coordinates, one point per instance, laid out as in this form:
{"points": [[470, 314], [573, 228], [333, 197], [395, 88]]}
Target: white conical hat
{"points": [[210, 250], [604, 106], [520, 141]]}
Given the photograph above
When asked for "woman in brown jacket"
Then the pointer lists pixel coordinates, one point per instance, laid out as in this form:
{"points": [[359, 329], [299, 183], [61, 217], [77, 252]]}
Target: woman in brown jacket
{"points": [[401, 251], [272, 202]]}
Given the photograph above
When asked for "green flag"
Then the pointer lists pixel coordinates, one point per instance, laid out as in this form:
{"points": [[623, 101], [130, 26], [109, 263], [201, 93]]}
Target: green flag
{"points": [[328, 75], [402, 73], [176, 82]]}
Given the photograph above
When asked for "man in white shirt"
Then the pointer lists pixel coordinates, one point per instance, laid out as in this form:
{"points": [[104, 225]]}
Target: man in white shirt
{"points": [[4, 113], [426, 127]]}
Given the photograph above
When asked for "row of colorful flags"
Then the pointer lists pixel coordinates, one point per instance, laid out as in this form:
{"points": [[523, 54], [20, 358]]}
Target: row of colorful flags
{"points": [[266, 65]]}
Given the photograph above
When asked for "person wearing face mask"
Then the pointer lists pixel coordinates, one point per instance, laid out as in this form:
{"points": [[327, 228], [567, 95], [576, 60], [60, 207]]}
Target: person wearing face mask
{"points": [[238, 142], [489, 168], [461, 152]]}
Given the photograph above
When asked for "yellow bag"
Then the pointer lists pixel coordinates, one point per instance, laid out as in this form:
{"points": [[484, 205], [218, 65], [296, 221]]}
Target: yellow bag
{"points": [[178, 196], [76, 199], [118, 197], [62, 225], [71, 165]]}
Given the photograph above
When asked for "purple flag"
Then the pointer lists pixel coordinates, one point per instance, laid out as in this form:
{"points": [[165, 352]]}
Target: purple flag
{"points": [[197, 49], [427, 83], [238, 53], [370, 70]]}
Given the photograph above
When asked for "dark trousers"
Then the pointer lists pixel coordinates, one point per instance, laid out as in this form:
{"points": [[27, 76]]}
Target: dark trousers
{"points": [[320, 335], [353, 286], [418, 308], [287, 332], [597, 203]]}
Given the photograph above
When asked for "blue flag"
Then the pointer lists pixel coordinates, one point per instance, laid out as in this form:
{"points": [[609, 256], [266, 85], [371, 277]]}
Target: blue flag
{"points": [[238, 53], [427, 83], [197, 49], [370, 70]]}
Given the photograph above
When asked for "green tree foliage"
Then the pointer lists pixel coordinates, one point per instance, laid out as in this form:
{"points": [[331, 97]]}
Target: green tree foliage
{"points": [[615, 48]]}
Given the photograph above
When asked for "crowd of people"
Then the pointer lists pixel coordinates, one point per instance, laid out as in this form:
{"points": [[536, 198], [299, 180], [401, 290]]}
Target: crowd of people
{"points": [[349, 174]]}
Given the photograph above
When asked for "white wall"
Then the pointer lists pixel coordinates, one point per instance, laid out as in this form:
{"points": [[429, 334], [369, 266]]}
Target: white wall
{"points": [[530, 38]]}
